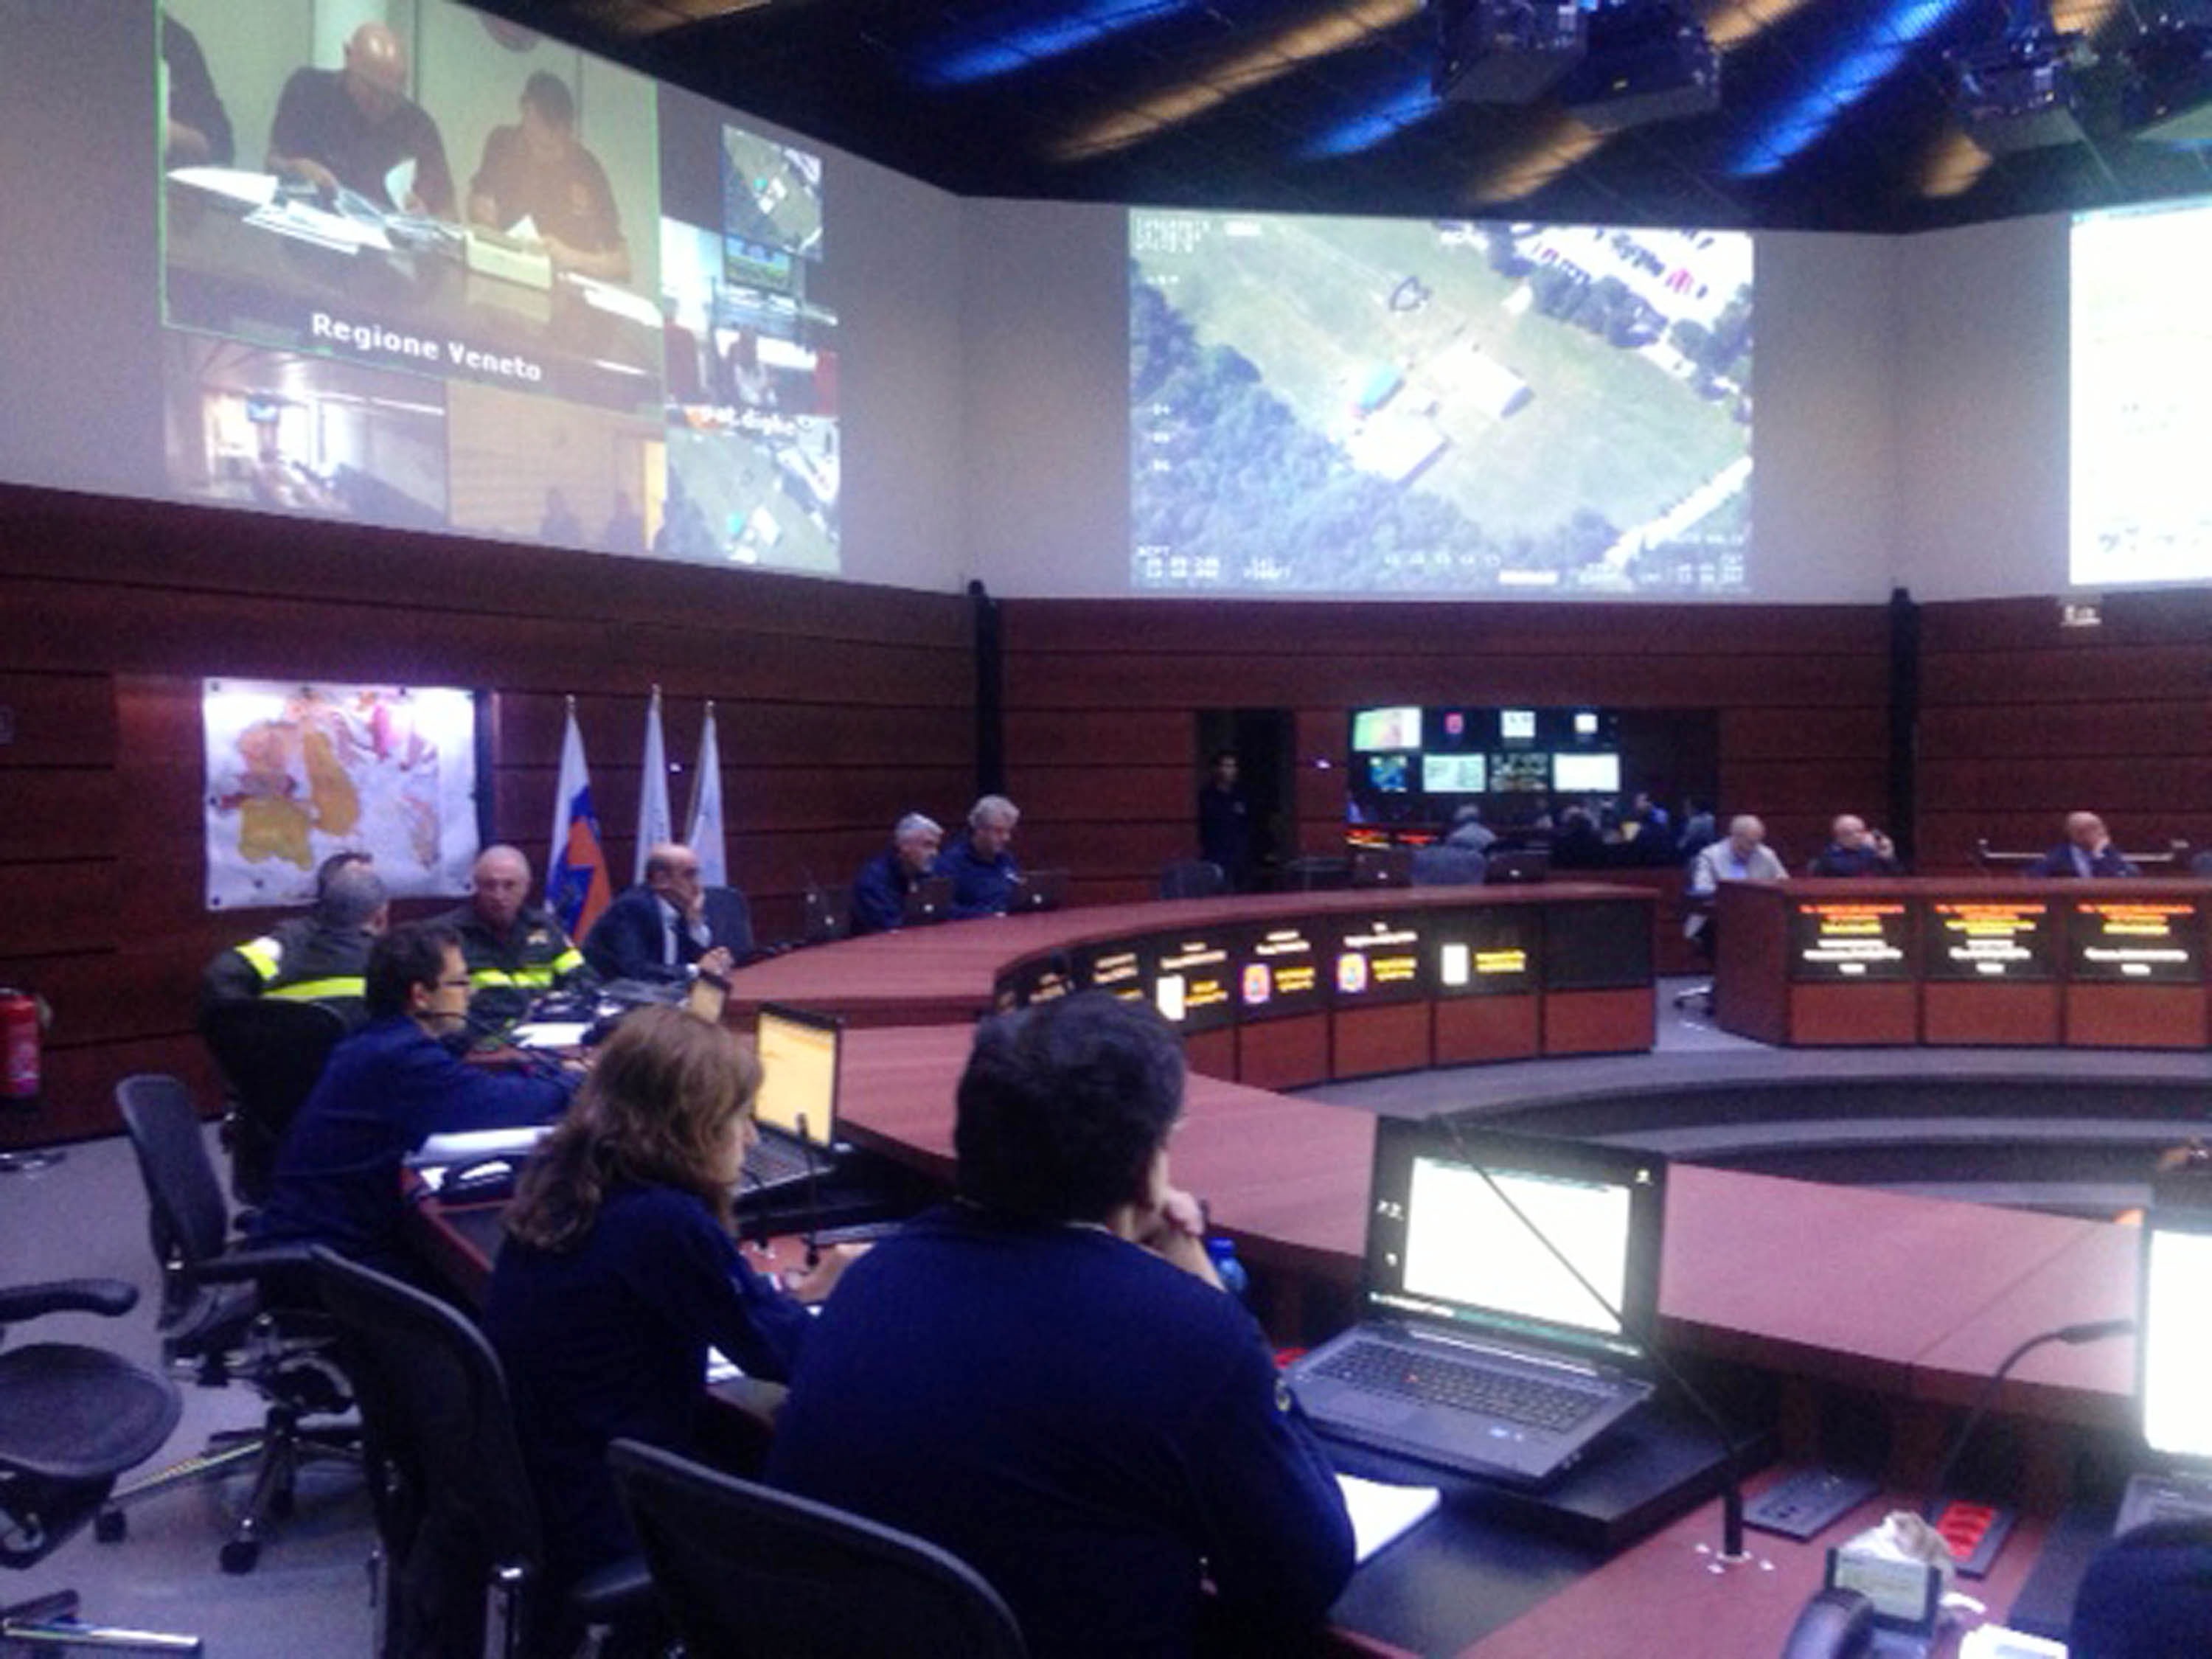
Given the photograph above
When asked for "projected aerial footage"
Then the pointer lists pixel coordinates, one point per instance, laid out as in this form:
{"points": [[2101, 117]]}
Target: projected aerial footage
{"points": [[1346, 405], [2142, 393]]}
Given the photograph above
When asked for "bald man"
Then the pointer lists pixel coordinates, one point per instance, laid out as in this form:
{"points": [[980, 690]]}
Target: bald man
{"points": [[351, 126], [671, 926], [515, 951], [2088, 850], [1853, 849]]}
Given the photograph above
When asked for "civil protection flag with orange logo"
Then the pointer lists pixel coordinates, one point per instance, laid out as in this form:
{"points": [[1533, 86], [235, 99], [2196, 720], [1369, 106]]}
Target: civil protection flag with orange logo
{"points": [[576, 887]]}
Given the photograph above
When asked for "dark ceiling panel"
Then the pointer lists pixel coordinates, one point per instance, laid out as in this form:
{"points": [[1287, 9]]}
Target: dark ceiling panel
{"points": [[1834, 115]]}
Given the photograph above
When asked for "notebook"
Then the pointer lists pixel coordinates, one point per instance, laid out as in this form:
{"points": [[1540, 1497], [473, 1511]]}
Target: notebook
{"points": [[928, 900], [1479, 1352], [1039, 890], [2174, 1360], [796, 1106]]}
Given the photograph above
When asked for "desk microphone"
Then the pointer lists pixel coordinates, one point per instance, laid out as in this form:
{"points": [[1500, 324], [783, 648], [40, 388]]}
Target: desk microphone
{"points": [[2094, 1331], [1733, 1552], [479, 1030]]}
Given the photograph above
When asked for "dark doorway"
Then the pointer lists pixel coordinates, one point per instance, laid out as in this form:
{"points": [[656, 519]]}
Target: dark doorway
{"points": [[1264, 741]]}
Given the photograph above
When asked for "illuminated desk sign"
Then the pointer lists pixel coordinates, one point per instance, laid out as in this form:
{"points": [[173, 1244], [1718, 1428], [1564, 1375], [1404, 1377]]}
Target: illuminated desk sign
{"points": [[1486, 951], [1843, 939], [1117, 970], [2008, 939], [1378, 959], [1046, 979], [2151, 943], [1278, 973], [1190, 984]]}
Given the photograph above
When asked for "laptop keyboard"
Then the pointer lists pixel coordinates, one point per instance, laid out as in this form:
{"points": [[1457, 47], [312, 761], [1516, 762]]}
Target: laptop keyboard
{"points": [[1378, 1368], [778, 1163]]}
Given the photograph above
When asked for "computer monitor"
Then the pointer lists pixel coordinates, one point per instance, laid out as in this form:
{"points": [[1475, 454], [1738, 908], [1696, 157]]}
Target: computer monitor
{"points": [[2175, 1357], [800, 1055]]}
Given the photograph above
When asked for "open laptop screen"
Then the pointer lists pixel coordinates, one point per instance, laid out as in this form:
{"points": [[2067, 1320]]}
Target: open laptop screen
{"points": [[1445, 1244], [798, 1054], [2175, 1356]]}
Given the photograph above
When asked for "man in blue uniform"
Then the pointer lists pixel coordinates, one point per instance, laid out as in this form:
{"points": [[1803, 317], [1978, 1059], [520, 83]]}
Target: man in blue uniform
{"points": [[388, 1089], [1046, 1378], [879, 890], [983, 872]]}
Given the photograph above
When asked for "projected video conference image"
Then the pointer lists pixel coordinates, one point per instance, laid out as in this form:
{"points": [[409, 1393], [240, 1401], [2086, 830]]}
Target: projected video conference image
{"points": [[426, 268], [2142, 396], [1353, 405]]}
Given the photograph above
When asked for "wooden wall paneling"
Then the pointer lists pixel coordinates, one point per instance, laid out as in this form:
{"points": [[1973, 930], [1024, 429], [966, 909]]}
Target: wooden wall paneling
{"points": [[1975, 732], [55, 812], [2112, 679], [1107, 736], [1163, 795], [61, 719], [57, 908]]}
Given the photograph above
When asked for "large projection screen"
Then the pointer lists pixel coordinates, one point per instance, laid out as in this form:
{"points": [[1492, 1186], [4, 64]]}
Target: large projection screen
{"points": [[1366, 405], [2142, 396]]}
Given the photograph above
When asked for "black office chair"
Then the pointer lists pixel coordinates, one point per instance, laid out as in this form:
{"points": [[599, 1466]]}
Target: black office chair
{"points": [[270, 1052], [747, 1572], [1190, 879], [229, 1312], [1448, 866], [72, 1420], [459, 1544]]}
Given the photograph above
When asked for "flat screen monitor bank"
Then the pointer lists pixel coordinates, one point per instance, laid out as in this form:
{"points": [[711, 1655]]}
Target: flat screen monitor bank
{"points": [[422, 267]]}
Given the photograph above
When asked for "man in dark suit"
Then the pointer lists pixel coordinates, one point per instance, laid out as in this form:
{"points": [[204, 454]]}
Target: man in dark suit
{"points": [[2088, 850], [671, 926]]}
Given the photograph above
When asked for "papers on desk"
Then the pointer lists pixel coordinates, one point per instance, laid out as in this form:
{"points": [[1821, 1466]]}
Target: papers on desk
{"points": [[1380, 1512], [616, 301], [1996, 1642], [474, 1145], [550, 1034], [721, 1368], [232, 183], [304, 221]]}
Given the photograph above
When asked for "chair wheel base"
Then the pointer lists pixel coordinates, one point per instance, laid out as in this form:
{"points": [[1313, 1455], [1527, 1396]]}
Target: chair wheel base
{"points": [[111, 1526], [240, 1555]]}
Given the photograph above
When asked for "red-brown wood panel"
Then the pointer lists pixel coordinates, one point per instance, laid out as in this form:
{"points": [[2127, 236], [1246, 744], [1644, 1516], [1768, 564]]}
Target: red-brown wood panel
{"points": [[2151, 673], [58, 720], [54, 812], [2092, 729]]}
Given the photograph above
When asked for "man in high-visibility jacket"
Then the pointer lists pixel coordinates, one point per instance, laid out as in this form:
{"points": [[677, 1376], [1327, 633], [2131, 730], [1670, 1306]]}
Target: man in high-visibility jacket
{"points": [[515, 950], [316, 957]]}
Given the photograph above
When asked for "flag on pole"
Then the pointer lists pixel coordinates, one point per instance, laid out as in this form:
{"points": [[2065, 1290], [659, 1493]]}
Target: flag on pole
{"points": [[702, 824], [576, 887], [655, 824]]}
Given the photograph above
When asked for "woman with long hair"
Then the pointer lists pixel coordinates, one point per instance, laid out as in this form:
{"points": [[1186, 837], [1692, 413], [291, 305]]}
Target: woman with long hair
{"points": [[620, 1269]]}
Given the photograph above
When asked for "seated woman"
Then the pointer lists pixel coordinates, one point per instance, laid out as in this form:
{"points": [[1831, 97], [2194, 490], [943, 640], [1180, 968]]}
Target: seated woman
{"points": [[621, 1269]]}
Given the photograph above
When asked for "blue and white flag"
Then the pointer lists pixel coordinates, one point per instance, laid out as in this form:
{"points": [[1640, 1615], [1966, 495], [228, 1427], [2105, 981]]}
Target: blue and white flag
{"points": [[702, 825], [656, 825]]}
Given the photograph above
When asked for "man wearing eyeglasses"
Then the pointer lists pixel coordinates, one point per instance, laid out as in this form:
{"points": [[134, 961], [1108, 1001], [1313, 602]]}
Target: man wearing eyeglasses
{"points": [[388, 1089]]}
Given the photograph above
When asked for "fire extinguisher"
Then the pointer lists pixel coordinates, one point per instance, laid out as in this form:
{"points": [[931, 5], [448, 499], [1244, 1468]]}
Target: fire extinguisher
{"points": [[19, 1044]]}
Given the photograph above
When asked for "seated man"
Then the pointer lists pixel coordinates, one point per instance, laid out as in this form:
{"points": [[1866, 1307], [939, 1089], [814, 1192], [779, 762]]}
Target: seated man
{"points": [[671, 927], [1740, 855], [1855, 850], [316, 957], [1046, 1378], [2088, 850], [1469, 831], [539, 171], [983, 872], [2146, 1595], [352, 126], [515, 950], [388, 1089], [879, 890]]}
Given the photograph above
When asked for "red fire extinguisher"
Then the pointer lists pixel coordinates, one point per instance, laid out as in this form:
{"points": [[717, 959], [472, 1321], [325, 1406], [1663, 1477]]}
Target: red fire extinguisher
{"points": [[19, 1044]]}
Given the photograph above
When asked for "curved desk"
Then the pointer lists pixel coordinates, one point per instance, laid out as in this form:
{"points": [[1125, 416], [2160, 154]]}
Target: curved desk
{"points": [[1966, 962], [1280, 989]]}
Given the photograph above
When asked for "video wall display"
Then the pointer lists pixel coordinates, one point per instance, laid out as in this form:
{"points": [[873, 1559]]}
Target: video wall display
{"points": [[1356, 405], [1419, 766], [425, 268], [2140, 395]]}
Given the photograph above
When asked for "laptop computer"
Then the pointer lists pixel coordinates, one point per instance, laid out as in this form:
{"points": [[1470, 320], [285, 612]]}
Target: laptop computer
{"points": [[796, 1106], [2173, 1358], [1520, 867], [1039, 890], [1480, 1353], [928, 900]]}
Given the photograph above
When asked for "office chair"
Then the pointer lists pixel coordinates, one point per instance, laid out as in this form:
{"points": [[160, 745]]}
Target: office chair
{"points": [[1191, 878], [1448, 866], [748, 1572], [229, 1313], [270, 1052], [459, 1545], [72, 1419]]}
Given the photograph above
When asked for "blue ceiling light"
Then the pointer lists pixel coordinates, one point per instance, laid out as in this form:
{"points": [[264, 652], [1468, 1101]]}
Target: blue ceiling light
{"points": [[999, 44], [1410, 104], [1862, 61]]}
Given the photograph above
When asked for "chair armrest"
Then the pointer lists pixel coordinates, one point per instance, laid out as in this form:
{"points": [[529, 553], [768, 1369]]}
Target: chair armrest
{"points": [[612, 1593], [248, 1264], [109, 1297]]}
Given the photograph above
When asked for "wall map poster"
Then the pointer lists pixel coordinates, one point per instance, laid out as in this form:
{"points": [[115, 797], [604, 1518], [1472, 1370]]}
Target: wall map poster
{"points": [[295, 773]]}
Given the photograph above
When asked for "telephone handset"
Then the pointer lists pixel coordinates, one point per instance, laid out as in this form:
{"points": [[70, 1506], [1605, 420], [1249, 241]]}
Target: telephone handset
{"points": [[1836, 1624]]}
